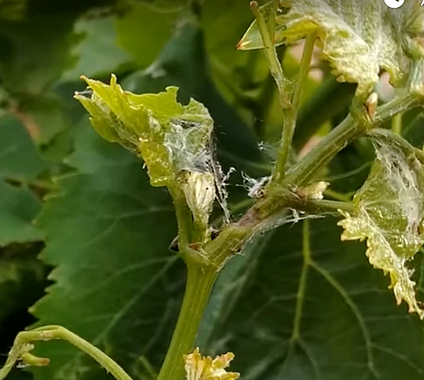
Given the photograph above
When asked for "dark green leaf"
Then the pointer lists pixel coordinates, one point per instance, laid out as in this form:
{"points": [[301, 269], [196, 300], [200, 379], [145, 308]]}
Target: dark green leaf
{"points": [[48, 123], [144, 29], [326, 101], [34, 52], [414, 130], [308, 306], [97, 52], [112, 276], [19, 157], [20, 166], [18, 208]]}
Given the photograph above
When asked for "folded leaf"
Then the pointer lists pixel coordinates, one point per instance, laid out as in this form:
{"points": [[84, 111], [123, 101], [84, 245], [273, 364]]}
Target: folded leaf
{"points": [[171, 138], [359, 38], [389, 212]]}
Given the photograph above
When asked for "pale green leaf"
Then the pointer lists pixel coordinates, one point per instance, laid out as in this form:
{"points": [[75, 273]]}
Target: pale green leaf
{"points": [[359, 38], [170, 137], [389, 211]]}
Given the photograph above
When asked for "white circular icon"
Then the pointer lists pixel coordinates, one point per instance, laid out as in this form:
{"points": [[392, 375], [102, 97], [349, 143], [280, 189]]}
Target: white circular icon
{"points": [[394, 3]]}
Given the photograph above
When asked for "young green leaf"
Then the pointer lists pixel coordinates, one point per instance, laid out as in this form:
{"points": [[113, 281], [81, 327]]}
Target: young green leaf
{"points": [[359, 38], [171, 138], [389, 211]]}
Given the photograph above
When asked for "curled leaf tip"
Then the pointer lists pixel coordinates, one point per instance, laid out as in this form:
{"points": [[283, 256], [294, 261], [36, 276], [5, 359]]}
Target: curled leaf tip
{"points": [[169, 136], [198, 367]]}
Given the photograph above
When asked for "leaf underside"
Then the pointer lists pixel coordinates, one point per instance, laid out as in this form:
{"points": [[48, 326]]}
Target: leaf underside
{"points": [[359, 38], [389, 211]]}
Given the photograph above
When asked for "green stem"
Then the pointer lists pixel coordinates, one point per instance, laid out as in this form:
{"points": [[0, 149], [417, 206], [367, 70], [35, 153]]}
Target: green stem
{"points": [[397, 124], [328, 147], [272, 19], [292, 112], [200, 281], [271, 54], [337, 196], [22, 346], [184, 217], [329, 206], [350, 128]]}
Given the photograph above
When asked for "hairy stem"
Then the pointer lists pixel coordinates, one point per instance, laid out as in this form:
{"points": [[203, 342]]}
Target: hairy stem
{"points": [[290, 114], [200, 281], [22, 346], [329, 206], [329, 146], [349, 129]]}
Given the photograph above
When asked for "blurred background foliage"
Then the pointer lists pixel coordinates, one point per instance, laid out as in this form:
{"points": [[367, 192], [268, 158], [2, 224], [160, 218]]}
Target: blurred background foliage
{"points": [[84, 238]]}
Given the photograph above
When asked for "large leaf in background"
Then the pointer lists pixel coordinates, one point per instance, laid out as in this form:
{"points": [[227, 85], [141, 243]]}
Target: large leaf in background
{"points": [[35, 46], [35, 51], [46, 120], [145, 28], [306, 306], [21, 165], [20, 159], [112, 280], [96, 52], [18, 208], [120, 42], [359, 38]]}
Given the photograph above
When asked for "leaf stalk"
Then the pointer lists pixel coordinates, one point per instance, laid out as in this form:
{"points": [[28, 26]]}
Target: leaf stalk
{"points": [[22, 346], [271, 54], [290, 114]]}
